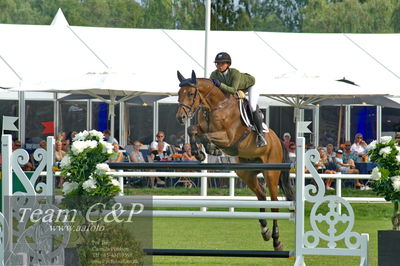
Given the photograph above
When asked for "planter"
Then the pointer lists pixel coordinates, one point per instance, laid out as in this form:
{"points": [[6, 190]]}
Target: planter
{"points": [[388, 247], [71, 257]]}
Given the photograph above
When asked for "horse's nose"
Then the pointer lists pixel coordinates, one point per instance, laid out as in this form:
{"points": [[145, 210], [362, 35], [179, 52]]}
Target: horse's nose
{"points": [[181, 118]]}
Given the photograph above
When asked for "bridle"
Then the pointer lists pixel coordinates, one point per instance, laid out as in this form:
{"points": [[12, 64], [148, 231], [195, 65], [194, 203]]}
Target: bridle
{"points": [[188, 109]]}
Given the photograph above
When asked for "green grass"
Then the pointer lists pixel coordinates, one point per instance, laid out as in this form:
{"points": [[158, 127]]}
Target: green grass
{"points": [[244, 234]]}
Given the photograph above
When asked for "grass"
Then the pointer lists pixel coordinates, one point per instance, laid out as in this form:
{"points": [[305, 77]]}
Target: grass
{"points": [[244, 234], [200, 233]]}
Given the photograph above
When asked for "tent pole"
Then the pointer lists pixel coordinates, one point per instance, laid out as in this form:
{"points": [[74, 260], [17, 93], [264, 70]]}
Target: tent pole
{"points": [[378, 122], [348, 118], [21, 116], [339, 126]]}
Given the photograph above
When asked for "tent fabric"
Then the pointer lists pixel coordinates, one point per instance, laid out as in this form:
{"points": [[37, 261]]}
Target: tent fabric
{"points": [[43, 55]]}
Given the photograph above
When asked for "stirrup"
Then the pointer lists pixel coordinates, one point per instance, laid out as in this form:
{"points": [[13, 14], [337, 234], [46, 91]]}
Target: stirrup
{"points": [[261, 142]]}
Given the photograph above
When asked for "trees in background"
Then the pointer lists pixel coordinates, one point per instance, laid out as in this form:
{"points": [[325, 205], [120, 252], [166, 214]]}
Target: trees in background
{"points": [[353, 16]]}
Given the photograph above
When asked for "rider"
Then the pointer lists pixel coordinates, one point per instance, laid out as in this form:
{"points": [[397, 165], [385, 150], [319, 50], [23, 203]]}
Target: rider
{"points": [[232, 81]]}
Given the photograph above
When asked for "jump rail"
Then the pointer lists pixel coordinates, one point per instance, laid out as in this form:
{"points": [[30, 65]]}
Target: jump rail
{"points": [[319, 240], [197, 166]]}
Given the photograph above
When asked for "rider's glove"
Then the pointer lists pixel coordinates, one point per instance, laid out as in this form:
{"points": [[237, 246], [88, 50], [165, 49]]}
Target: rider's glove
{"points": [[216, 82], [241, 94]]}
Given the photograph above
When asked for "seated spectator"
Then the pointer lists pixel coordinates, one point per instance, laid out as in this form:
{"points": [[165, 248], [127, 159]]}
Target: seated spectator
{"points": [[58, 153], [43, 144], [350, 158], [187, 156], [292, 152], [160, 137], [160, 154], [16, 145], [286, 140], [65, 145], [58, 156], [322, 165], [359, 147], [136, 155], [108, 137], [28, 167], [117, 156], [347, 168]]}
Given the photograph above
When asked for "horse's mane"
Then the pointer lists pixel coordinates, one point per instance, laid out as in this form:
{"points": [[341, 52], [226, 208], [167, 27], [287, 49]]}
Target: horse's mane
{"points": [[209, 81]]}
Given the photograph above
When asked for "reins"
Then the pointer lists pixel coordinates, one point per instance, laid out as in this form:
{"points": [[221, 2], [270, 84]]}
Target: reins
{"points": [[202, 99]]}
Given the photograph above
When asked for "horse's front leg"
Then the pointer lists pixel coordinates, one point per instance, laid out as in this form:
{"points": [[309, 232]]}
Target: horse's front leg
{"points": [[194, 137]]}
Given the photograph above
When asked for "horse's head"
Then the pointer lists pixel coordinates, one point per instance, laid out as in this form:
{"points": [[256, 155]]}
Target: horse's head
{"points": [[189, 98]]}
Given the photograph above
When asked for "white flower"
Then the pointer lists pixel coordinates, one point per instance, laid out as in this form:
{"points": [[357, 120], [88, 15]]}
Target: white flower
{"points": [[396, 182], [96, 134], [398, 149], [385, 151], [115, 182], [68, 187], [102, 168], [78, 147], [91, 144], [89, 184], [386, 139], [376, 174], [398, 158], [107, 147], [372, 145], [81, 136], [65, 162]]}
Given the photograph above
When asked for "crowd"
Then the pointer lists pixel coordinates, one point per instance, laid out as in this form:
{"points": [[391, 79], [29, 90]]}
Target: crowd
{"points": [[344, 159]]}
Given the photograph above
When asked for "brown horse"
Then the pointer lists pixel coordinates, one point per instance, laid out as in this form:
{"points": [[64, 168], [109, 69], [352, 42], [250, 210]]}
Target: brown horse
{"points": [[219, 123]]}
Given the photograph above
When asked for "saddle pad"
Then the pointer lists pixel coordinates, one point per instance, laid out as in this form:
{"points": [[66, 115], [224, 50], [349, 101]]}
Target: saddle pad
{"points": [[245, 116]]}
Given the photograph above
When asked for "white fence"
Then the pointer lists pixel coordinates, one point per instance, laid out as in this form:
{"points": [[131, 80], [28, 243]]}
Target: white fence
{"points": [[355, 244]]}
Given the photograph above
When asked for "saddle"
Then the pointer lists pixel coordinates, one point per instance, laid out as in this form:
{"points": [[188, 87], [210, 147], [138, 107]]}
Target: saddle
{"points": [[247, 117]]}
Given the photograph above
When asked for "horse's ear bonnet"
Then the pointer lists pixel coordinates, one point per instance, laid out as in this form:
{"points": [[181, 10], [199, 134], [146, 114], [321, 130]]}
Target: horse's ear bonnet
{"points": [[192, 82]]}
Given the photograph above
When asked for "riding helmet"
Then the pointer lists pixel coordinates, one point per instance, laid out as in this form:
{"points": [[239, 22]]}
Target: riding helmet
{"points": [[223, 57]]}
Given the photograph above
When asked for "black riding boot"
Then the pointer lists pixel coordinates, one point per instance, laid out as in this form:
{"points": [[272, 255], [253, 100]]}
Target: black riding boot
{"points": [[258, 123]]}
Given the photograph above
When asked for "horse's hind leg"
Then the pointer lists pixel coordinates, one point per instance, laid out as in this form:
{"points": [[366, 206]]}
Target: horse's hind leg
{"points": [[250, 178], [272, 179]]}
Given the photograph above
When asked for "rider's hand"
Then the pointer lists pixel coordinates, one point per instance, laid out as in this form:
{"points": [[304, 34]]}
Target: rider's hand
{"points": [[216, 82], [241, 94]]}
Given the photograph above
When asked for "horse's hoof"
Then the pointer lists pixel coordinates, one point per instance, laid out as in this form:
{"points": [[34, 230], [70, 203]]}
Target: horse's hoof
{"points": [[200, 156], [266, 235], [279, 247]]}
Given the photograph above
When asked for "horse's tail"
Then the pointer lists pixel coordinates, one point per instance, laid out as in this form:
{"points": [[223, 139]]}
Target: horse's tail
{"points": [[285, 183]]}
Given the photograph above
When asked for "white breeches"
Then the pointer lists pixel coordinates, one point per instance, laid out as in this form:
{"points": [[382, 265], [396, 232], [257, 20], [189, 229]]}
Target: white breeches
{"points": [[254, 92]]}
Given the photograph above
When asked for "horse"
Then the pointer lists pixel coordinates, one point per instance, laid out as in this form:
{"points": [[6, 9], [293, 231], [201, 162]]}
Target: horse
{"points": [[220, 125]]}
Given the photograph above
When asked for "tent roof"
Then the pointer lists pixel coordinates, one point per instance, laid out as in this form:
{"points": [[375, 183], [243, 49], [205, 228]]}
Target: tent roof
{"points": [[60, 52]]}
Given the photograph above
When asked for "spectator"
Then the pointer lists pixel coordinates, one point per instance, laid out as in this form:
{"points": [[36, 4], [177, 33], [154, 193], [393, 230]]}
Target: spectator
{"points": [[397, 138], [286, 140], [359, 147], [347, 168], [350, 158], [160, 137], [136, 155], [65, 145], [43, 144], [160, 154], [322, 165], [61, 136], [58, 153], [58, 156], [16, 145], [331, 166], [108, 138], [187, 156], [292, 152], [117, 156]]}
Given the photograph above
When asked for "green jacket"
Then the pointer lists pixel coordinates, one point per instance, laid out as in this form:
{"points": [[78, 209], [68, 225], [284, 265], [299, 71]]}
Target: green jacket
{"points": [[234, 80]]}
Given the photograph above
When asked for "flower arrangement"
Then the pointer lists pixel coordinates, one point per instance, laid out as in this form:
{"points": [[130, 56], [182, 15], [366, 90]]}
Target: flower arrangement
{"points": [[386, 176], [84, 168]]}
